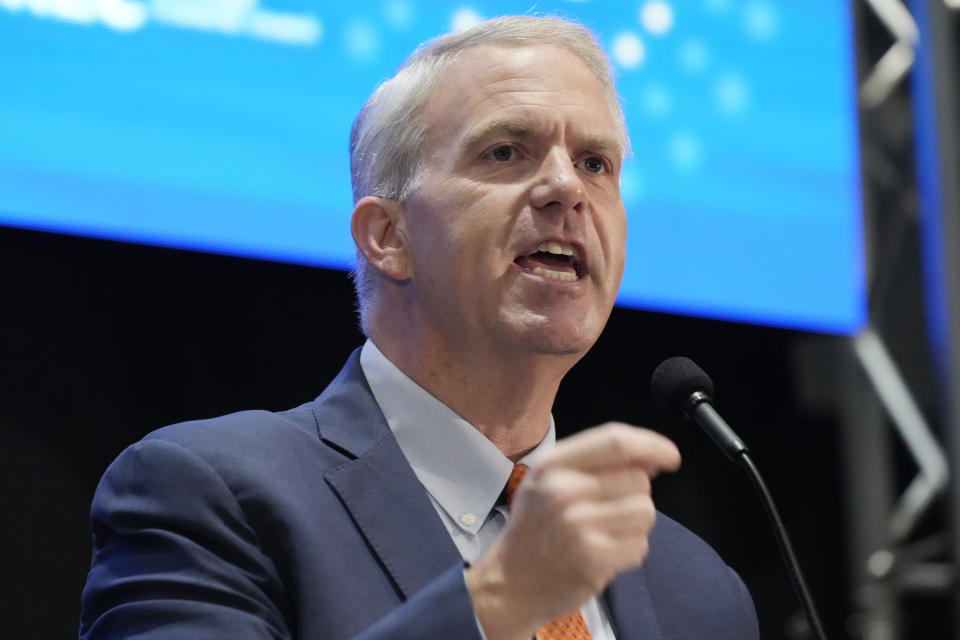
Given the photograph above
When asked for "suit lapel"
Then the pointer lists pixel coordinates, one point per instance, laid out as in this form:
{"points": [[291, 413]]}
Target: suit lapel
{"points": [[631, 609], [392, 510], [378, 487]]}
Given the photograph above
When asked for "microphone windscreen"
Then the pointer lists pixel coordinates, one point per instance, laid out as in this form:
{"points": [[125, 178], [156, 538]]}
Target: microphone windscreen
{"points": [[675, 380]]}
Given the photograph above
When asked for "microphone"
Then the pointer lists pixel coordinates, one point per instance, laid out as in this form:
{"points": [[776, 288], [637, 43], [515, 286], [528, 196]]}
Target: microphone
{"points": [[682, 388]]}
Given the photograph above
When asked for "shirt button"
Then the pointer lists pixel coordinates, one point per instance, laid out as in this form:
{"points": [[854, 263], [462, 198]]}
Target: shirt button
{"points": [[468, 519]]}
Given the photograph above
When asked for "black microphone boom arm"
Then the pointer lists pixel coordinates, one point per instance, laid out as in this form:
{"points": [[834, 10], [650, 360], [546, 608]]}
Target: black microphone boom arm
{"points": [[701, 411], [680, 386]]}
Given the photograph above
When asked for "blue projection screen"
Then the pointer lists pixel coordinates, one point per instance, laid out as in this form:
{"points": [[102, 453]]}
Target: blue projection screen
{"points": [[222, 125]]}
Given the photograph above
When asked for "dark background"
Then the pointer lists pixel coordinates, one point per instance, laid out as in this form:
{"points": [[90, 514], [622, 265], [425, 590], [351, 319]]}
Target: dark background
{"points": [[102, 342]]}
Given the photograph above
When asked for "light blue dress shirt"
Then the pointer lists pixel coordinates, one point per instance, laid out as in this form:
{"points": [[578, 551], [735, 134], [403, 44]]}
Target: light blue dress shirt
{"points": [[462, 471]]}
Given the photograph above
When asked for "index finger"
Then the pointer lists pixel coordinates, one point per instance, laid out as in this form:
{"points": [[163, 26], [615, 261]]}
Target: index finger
{"points": [[615, 444]]}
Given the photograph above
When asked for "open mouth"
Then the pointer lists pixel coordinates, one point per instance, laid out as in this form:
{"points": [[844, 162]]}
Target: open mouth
{"points": [[555, 261]]}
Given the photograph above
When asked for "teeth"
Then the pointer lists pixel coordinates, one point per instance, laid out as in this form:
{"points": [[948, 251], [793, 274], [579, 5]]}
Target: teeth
{"points": [[556, 248], [555, 275]]}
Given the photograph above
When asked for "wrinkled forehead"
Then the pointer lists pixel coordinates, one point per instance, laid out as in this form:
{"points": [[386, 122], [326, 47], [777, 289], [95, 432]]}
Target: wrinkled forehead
{"points": [[484, 78]]}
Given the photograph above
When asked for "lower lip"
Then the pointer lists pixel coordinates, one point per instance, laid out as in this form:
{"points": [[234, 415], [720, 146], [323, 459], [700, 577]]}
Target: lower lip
{"points": [[545, 279]]}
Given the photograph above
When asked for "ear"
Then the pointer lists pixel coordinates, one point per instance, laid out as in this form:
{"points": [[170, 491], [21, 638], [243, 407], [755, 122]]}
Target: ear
{"points": [[378, 229]]}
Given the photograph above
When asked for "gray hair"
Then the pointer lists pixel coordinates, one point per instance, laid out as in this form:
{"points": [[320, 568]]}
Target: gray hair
{"points": [[386, 158]]}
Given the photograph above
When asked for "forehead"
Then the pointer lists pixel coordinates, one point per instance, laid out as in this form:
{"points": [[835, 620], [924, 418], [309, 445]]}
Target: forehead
{"points": [[539, 86]]}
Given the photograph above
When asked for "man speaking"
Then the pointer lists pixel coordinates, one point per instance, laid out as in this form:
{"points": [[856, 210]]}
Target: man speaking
{"points": [[423, 494]]}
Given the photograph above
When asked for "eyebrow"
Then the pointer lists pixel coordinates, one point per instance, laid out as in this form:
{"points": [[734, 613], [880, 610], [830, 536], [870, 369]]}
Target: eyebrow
{"points": [[507, 128], [605, 144]]}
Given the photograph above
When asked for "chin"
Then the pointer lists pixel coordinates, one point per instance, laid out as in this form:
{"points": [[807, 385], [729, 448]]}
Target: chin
{"points": [[552, 338], [570, 331]]}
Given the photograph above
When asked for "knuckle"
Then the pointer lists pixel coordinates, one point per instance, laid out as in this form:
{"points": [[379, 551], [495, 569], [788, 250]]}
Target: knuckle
{"points": [[551, 496], [618, 442], [536, 473], [640, 480], [641, 511], [614, 426], [647, 509], [567, 518], [537, 480]]}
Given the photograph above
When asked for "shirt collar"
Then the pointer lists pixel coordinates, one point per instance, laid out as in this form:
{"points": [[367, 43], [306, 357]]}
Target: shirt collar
{"points": [[456, 464]]}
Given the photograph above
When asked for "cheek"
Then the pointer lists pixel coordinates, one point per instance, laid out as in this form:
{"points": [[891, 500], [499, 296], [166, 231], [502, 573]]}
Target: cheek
{"points": [[480, 230], [448, 254], [461, 229], [621, 235], [613, 234]]}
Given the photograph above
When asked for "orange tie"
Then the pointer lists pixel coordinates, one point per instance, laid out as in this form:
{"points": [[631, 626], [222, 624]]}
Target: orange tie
{"points": [[570, 626]]}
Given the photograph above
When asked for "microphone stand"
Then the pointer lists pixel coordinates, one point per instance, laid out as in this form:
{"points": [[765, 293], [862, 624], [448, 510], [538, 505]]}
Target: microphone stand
{"points": [[786, 551], [701, 411]]}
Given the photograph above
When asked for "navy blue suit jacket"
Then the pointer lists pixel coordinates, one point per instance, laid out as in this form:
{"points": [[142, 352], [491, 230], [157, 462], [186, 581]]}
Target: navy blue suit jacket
{"points": [[311, 524]]}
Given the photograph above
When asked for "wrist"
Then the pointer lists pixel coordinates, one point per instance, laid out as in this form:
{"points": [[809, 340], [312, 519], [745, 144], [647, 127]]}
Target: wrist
{"points": [[501, 616]]}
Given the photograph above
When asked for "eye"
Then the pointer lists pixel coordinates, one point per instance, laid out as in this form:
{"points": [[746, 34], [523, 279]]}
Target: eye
{"points": [[502, 153], [594, 164]]}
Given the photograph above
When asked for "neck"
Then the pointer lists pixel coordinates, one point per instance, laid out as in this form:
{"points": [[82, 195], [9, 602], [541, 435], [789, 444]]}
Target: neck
{"points": [[507, 396]]}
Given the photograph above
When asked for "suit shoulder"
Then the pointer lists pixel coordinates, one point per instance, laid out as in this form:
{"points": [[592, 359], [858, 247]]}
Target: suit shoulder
{"points": [[250, 447], [672, 537], [676, 549], [691, 583], [240, 429]]}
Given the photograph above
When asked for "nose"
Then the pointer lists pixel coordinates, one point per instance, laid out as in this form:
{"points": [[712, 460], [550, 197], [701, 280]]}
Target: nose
{"points": [[557, 184]]}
